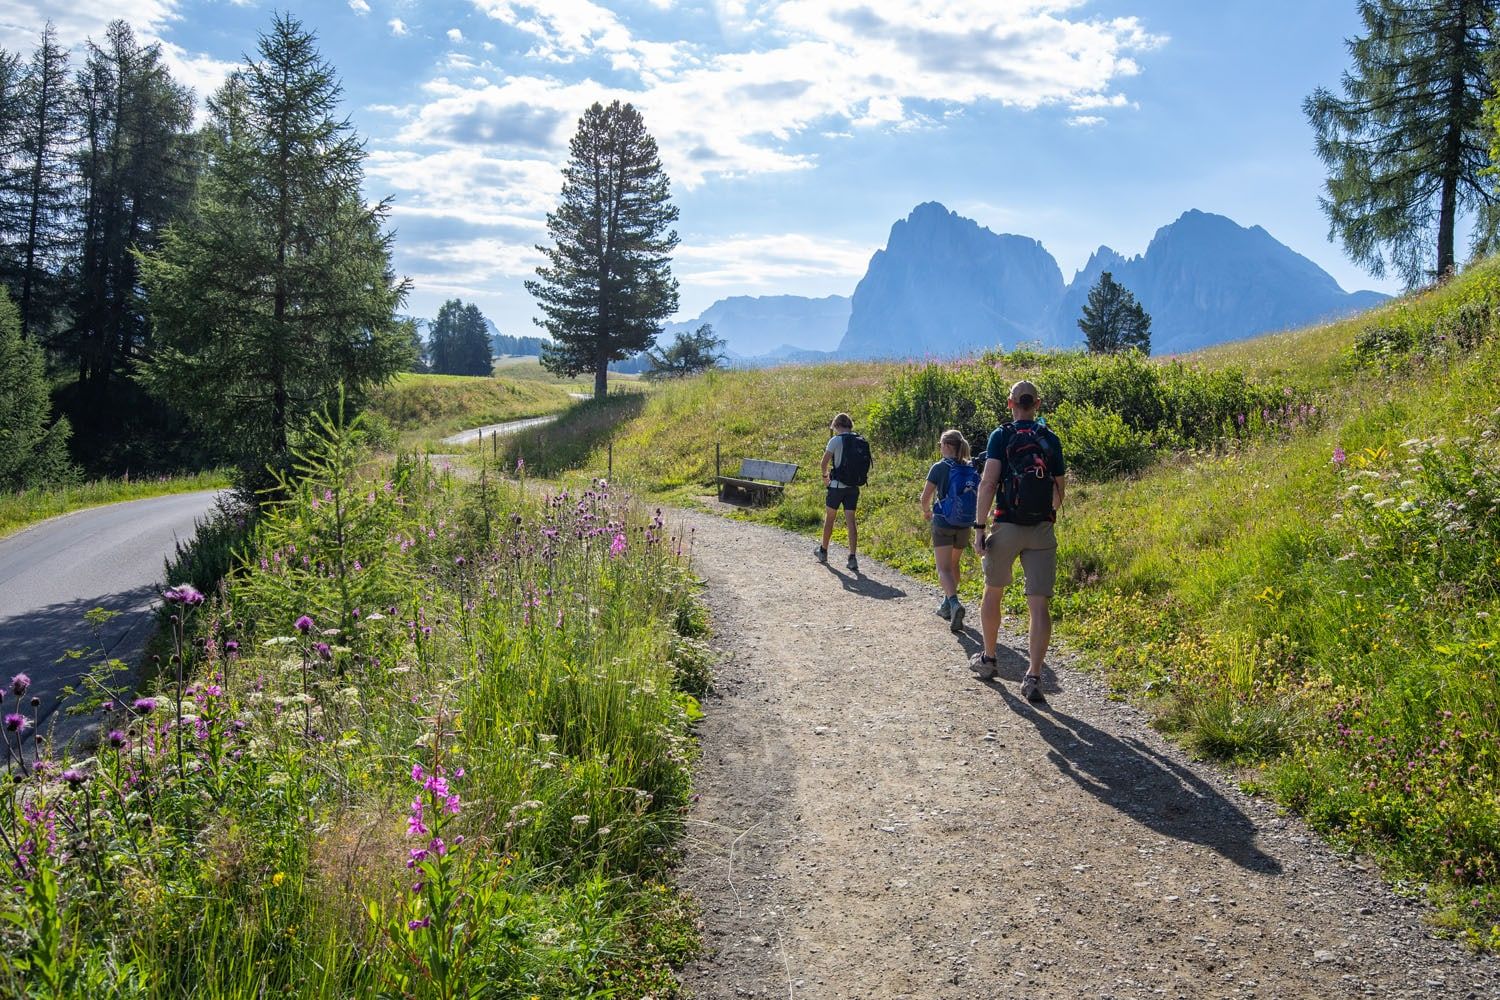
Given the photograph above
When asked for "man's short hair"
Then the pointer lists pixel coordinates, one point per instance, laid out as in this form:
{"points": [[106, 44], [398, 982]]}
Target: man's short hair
{"points": [[845, 421]]}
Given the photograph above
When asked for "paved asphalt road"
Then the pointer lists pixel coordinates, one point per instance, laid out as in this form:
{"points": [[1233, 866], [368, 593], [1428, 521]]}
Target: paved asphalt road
{"points": [[52, 573], [488, 430]]}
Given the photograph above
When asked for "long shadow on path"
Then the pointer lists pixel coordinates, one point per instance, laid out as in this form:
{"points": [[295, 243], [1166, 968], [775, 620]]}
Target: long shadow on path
{"points": [[1132, 777]]}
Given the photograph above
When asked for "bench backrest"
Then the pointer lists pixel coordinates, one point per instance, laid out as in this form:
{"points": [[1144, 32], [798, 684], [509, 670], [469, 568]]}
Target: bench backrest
{"points": [[759, 468]]}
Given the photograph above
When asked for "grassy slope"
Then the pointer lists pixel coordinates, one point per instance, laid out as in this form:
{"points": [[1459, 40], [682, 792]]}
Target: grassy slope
{"points": [[1219, 586], [425, 408], [18, 510]]}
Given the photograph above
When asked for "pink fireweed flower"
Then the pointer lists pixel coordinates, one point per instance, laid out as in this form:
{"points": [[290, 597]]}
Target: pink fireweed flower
{"points": [[617, 547], [1339, 458]]}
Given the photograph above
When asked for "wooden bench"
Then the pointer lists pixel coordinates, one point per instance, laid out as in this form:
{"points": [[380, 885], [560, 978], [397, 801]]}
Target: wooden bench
{"points": [[759, 480]]}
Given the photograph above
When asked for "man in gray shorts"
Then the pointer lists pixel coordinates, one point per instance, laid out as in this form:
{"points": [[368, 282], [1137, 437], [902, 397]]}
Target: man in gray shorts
{"points": [[1024, 474]]}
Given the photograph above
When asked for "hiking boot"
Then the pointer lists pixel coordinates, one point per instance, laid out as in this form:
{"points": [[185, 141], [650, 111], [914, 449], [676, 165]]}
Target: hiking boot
{"points": [[853, 563], [1031, 688], [956, 623], [986, 667], [821, 554], [945, 610]]}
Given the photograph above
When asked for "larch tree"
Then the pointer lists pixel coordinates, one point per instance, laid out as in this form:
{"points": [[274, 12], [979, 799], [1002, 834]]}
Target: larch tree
{"points": [[276, 295], [134, 168], [39, 212], [607, 282], [688, 354], [1406, 142], [1113, 321]]}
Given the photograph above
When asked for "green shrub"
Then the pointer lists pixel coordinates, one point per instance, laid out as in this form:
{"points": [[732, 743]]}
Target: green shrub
{"points": [[1098, 442]]}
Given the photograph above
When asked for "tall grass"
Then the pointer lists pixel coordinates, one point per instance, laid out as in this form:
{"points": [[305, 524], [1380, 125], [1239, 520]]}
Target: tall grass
{"points": [[430, 744]]}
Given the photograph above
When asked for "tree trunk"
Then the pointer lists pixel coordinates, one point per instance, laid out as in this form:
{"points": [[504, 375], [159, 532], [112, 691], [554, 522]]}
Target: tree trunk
{"points": [[1452, 148], [601, 378]]}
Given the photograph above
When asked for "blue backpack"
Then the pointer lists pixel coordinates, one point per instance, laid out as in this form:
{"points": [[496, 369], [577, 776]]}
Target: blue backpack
{"points": [[960, 503]]}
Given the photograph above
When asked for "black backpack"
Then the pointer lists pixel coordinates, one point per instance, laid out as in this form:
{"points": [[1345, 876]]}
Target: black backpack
{"points": [[854, 467], [1026, 492]]}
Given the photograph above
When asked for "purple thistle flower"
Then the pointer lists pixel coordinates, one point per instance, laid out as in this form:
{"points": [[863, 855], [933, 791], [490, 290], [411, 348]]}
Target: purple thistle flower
{"points": [[15, 722], [324, 652], [19, 684], [417, 924], [231, 647], [74, 777], [116, 739], [304, 624], [144, 706], [185, 594]]}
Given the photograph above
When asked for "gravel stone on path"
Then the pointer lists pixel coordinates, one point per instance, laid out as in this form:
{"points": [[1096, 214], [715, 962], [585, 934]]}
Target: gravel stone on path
{"points": [[874, 822]]}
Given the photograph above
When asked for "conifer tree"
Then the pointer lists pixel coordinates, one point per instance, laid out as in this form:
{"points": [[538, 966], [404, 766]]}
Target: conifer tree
{"points": [[12, 116], [1113, 321], [1405, 144], [459, 342], [607, 283], [134, 169], [41, 192], [277, 293], [33, 448], [688, 354]]}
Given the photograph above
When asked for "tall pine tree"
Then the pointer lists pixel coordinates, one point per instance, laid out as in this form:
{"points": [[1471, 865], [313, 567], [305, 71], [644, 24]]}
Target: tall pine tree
{"points": [[607, 284], [135, 168], [1405, 144], [1113, 321], [12, 119], [40, 214], [277, 293]]}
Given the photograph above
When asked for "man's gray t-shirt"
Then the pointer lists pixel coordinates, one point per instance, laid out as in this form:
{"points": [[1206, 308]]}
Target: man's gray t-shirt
{"points": [[836, 449]]}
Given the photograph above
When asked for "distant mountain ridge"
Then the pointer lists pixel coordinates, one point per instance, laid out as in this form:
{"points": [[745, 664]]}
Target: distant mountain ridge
{"points": [[771, 325], [945, 286], [1204, 279]]}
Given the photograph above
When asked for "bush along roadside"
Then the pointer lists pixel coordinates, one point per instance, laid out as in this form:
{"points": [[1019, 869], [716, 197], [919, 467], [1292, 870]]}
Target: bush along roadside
{"points": [[1117, 412], [432, 742]]}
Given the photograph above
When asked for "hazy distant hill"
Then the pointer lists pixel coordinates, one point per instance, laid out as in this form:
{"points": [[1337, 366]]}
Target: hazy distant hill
{"points": [[944, 285], [1205, 279], [756, 325]]}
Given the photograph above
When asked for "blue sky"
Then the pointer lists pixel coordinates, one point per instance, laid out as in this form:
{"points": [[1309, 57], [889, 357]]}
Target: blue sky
{"points": [[796, 131]]}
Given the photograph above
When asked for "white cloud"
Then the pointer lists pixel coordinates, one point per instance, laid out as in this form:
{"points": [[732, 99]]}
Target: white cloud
{"points": [[359, 7], [397, 26], [742, 261], [468, 184], [815, 66], [203, 73], [21, 20], [455, 35], [1086, 121]]}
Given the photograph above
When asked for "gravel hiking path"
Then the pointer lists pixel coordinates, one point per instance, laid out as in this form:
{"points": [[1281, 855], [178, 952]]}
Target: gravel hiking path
{"points": [[874, 822]]}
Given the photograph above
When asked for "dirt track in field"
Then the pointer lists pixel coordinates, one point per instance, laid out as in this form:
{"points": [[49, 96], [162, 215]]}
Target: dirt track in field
{"points": [[876, 823]]}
